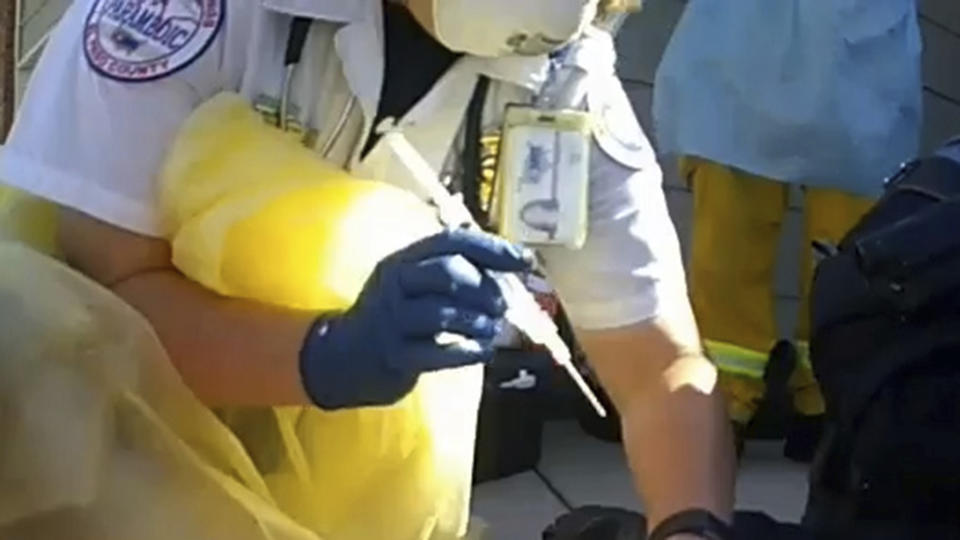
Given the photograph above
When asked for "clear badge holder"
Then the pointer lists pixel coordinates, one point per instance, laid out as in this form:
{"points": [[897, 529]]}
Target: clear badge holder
{"points": [[541, 195]]}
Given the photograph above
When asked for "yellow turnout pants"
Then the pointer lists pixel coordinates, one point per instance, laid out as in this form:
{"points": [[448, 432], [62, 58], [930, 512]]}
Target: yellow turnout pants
{"points": [[737, 219]]}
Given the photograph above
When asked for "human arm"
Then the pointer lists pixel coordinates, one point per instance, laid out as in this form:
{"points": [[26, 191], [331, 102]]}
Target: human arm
{"points": [[93, 142], [674, 425], [238, 352], [626, 294], [229, 352], [673, 419]]}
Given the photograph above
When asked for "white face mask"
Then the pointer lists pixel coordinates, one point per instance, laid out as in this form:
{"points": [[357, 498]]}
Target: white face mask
{"points": [[506, 27]]}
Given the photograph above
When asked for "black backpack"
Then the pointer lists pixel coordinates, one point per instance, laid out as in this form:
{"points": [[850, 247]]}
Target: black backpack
{"points": [[886, 351]]}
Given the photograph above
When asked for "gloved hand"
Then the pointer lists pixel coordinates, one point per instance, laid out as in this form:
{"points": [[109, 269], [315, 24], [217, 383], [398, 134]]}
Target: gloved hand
{"points": [[373, 354]]}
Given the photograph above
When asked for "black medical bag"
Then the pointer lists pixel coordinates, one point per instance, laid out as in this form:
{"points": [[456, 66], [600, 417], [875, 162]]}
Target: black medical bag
{"points": [[886, 350], [516, 396]]}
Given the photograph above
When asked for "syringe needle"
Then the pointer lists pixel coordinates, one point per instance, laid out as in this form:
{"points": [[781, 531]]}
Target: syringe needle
{"points": [[523, 311]]}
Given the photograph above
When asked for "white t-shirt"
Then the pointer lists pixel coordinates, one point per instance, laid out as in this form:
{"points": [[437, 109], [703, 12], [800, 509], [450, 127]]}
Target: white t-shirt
{"points": [[117, 78]]}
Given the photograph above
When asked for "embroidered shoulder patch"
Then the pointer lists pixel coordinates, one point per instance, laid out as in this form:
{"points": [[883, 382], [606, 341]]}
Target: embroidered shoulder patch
{"points": [[616, 128], [145, 40]]}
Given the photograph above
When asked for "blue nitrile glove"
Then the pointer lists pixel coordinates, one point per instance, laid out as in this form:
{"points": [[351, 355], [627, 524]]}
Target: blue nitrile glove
{"points": [[373, 354]]}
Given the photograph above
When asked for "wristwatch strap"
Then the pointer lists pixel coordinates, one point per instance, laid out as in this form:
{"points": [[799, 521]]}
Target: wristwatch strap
{"points": [[694, 521]]}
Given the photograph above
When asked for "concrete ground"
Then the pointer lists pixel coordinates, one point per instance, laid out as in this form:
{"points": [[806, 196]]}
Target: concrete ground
{"points": [[584, 470]]}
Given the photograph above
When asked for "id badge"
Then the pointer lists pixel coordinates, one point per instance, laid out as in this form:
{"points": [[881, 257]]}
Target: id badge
{"points": [[543, 175]]}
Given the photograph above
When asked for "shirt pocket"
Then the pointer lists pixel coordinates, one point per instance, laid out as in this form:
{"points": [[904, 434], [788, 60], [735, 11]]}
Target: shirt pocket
{"points": [[862, 22]]}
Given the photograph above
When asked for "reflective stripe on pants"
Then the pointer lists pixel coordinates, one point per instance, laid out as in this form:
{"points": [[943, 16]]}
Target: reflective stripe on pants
{"points": [[737, 220]]}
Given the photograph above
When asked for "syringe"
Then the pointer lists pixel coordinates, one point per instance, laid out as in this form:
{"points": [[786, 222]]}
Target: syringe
{"points": [[523, 311]]}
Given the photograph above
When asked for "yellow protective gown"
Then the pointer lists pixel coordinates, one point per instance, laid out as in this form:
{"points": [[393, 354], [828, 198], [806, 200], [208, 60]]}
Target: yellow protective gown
{"points": [[28, 220], [120, 449], [100, 438]]}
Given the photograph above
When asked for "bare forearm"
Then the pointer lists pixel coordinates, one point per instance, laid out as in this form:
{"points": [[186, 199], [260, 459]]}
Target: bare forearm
{"points": [[680, 450], [676, 435], [229, 352]]}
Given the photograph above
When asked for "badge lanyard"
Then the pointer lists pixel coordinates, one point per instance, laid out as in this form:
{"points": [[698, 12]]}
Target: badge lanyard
{"points": [[540, 192]]}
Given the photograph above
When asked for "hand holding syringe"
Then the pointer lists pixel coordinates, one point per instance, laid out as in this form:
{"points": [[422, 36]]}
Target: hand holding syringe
{"points": [[523, 311]]}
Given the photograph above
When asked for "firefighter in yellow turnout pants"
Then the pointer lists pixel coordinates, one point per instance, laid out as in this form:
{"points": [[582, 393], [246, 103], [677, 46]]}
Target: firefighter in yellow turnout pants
{"points": [[754, 97], [733, 255]]}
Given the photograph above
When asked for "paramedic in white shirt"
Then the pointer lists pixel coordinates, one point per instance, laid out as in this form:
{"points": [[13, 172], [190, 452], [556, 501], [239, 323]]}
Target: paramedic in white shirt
{"points": [[104, 105]]}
